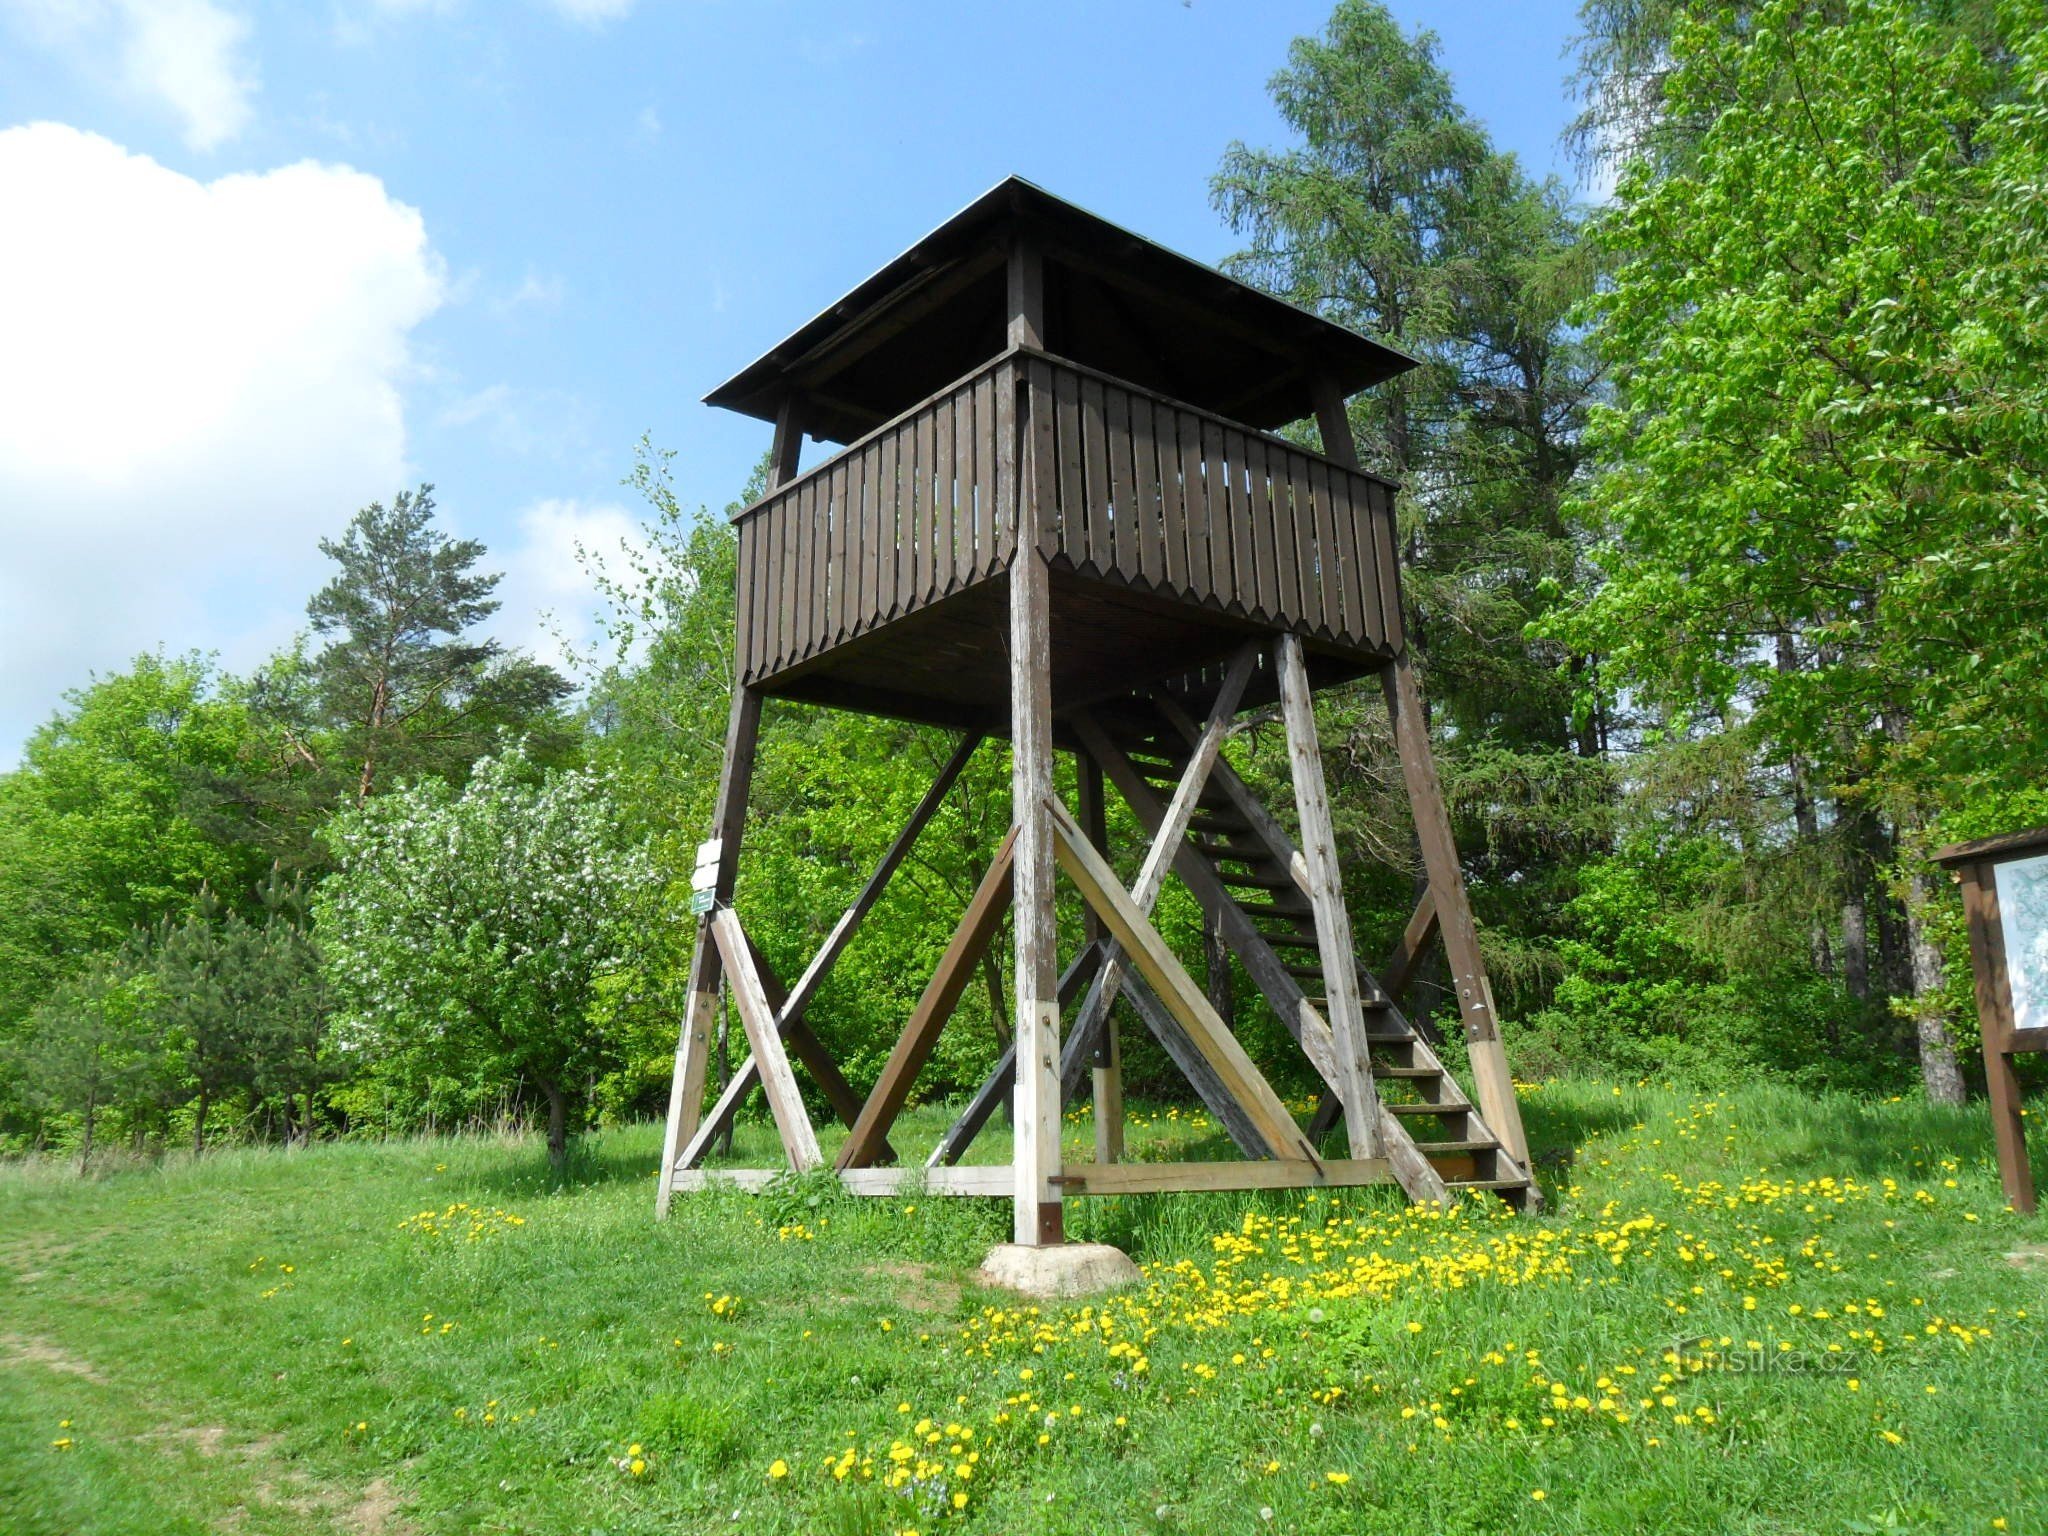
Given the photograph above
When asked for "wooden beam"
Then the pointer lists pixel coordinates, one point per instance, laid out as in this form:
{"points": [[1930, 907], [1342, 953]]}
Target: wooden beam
{"points": [[1490, 1076], [789, 1010], [700, 1005], [1267, 970], [1326, 897], [785, 450], [1994, 1018], [1173, 827], [942, 994], [1026, 294], [1400, 967], [980, 1179], [785, 1100], [1274, 1173], [996, 1086], [1036, 1018], [1176, 989], [1105, 1050]]}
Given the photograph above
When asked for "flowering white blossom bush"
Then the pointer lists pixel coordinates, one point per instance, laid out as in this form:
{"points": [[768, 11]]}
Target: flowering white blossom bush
{"points": [[473, 926]]}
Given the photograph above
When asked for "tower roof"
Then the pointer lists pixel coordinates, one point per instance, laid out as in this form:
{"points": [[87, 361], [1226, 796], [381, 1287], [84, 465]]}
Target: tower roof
{"points": [[1113, 301]]}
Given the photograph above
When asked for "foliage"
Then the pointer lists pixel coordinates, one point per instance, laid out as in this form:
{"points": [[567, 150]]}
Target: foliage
{"points": [[466, 931], [400, 682]]}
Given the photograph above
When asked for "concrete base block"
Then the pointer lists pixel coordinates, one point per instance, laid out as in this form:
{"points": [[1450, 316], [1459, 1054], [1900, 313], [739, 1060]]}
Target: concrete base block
{"points": [[1071, 1269]]}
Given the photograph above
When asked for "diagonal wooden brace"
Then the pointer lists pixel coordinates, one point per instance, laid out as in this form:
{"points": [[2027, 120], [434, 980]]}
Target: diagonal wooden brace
{"points": [[1240, 1079], [941, 995], [789, 1010], [785, 1100]]}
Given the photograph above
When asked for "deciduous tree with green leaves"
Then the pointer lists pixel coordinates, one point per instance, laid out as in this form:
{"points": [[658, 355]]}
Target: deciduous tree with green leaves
{"points": [[468, 930], [1823, 486]]}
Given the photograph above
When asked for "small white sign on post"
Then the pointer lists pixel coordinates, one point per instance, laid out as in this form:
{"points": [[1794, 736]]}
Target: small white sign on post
{"points": [[702, 901], [705, 876]]}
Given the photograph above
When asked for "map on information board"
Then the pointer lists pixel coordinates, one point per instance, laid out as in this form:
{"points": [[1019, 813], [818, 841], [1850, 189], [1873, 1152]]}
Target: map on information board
{"points": [[2023, 916]]}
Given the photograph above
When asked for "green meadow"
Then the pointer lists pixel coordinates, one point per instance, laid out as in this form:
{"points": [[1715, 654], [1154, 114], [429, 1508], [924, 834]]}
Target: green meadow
{"points": [[1763, 1312]]}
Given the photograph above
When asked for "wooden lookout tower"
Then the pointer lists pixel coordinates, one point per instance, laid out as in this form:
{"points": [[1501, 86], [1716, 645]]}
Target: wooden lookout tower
{"points": [[1062, 517]]}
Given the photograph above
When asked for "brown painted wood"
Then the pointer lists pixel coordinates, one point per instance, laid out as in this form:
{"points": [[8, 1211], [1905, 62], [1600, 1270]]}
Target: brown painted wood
{"points": [[1995, 1024], [1095, 477], [1491, 1078], [778, 1082], [1073, 496], [941, 996]]}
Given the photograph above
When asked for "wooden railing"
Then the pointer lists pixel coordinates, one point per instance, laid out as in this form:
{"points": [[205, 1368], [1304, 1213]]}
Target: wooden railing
{"points": [[1114, 483]]}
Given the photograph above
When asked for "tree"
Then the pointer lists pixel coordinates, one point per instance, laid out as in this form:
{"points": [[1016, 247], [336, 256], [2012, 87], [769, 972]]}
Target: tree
{"points": [[88, 1048], [473, 927], [400, 681], [1824, 468]]}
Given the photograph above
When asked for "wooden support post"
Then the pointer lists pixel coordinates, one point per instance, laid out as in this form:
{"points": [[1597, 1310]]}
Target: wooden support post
{"points": [[789, 1012], [1036, 1112], [1490, 1076], [1326, 897], [1098, 885], [750, 1000], [1994, 1018], [700, 1008], [785, 452], [1107, 1050], [941, 996]]}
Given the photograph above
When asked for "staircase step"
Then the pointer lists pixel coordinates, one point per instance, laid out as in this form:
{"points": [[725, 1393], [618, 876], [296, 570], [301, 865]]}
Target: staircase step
{"points": [[1457, 1148], [1486, 1183], [1256, 881], [1407, 1072], [1427, 1109], [1275, 909]]}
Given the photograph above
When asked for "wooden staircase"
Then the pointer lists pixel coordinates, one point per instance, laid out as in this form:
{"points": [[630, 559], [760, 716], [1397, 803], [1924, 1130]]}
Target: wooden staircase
{"points": [[1427, 1121]]}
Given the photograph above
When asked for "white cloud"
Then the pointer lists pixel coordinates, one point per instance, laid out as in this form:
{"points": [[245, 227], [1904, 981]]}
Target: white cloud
{"points": [[590, 13], [186, 55], [200, 380], [551, 602]]}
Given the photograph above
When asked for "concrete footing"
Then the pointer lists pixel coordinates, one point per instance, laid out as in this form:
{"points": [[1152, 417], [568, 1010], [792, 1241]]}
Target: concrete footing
{"points": [[1053, 1273]]}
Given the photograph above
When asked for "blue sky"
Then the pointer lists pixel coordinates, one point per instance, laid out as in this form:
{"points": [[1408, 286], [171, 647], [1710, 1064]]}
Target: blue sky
{"points": [[271, 261]]}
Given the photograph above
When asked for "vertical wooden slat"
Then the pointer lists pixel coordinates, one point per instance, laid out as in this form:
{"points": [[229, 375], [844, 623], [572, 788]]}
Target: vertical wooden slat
{"points": [[986, 429], [1389, 565], [1204, 513], [909, 508], [1145, 495], [821, 558], [1073, 497], [1260, 523], [1361, 624], [743, 602], [1009, 463], [1286, 551], [942, 497], [1171, 505], [884, 526], [966, 432], [1321, 592], [1042, 448], [1095, 477], [1116, 427], [806, 508], [771, 590]]}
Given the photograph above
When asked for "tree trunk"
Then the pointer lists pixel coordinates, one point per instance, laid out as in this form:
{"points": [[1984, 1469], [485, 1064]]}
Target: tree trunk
{"points": [[558, 1122], [199, 1122], [92, 1100], [1938, 1070]]}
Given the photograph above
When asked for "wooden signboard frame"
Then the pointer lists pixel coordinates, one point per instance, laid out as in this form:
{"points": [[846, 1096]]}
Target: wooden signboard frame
{"points": [[1975, 866]]}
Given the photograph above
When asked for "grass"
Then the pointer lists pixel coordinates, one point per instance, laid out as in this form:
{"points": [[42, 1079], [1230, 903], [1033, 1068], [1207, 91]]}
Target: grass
{"points": [[1757, 1313]]}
